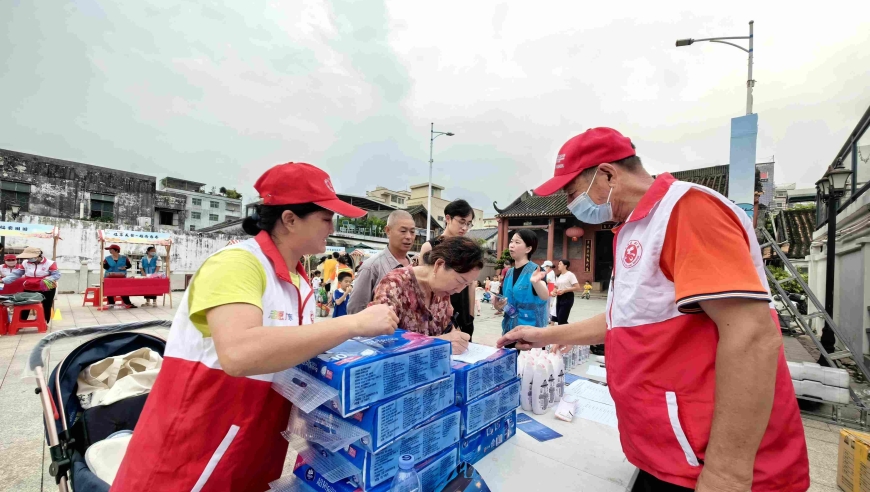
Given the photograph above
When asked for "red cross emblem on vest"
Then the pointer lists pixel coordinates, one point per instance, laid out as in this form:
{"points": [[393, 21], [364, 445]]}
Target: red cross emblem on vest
{"points": [[632, 254]]}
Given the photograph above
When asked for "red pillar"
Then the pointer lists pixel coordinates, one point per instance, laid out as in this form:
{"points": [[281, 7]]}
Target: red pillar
{"points": [[551, 237], [502, 234]]}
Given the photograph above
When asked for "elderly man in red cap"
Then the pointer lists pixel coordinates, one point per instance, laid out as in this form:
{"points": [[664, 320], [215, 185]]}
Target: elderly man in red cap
{"points": [[695, 361]]}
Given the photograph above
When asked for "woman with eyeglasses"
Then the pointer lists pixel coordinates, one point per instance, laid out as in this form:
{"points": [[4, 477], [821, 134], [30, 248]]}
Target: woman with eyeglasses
{"points": [[458, 217], [421, 295]]}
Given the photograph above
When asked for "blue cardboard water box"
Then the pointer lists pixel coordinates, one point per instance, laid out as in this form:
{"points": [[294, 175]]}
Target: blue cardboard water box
{"points": [[486, 409], [482, 442], [433, 472], [428, 439], [368, 370], [387, 420], [474, 380]]}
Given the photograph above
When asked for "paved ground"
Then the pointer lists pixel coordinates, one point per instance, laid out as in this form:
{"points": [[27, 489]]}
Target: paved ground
{"points": [[24, 456]]}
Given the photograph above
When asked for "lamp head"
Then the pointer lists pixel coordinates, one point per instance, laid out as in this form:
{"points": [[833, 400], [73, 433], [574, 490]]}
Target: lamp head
{"points": [[685, 42]]}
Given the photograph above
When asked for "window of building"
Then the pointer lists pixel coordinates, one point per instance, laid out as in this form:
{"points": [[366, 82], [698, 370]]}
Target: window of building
{"points": [[397, 199], [102, 206], [213, 217], [166, 218], [214, 204], [195, 215], [197, 202], [16, 193], [192, 227]]}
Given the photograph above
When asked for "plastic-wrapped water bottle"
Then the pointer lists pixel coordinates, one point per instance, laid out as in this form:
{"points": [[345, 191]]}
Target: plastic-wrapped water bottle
{"points": [[406, 479]]}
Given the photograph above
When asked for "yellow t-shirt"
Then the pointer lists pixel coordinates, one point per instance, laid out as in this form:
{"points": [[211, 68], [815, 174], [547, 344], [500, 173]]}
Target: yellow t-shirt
{"points": [[329, 269], [229, 277], [587, 288]]}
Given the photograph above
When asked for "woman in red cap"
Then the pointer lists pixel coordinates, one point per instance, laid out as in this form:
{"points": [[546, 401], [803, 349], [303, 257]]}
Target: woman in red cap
{"points": [[212, 421]]}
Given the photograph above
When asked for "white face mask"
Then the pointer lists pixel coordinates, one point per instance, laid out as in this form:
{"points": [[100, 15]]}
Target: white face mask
{"points": [[11, 264], [588, 211]]}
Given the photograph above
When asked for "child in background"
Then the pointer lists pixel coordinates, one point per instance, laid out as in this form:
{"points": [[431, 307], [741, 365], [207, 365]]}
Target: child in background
{"points": [[495, 288], [587, 290], [478, 295], [342, 294]]}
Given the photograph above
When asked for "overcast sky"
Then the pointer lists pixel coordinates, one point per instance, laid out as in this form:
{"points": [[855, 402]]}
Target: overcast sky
{"points": [[219, 93]]}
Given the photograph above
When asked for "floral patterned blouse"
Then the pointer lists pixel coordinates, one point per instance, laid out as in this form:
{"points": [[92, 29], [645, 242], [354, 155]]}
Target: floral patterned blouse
{"points": [[400, 290]]}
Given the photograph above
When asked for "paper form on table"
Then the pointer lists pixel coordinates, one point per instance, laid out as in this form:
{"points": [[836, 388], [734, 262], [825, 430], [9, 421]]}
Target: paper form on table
{"points": [[597, 371], [475, 353], [590, 390], [596, 412]]}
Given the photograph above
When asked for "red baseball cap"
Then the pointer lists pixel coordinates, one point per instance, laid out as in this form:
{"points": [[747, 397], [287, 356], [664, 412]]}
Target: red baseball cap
{"points": [[589, 149], [115, 247], [296, 182], [9, 257]]}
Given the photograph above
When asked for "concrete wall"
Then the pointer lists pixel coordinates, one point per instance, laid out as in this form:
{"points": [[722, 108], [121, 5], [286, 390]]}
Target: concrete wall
{"points": [[79, 244], [63, 188]]}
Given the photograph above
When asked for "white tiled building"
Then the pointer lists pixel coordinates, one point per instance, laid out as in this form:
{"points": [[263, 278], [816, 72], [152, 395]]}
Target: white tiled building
{"points": [[203, 209]]}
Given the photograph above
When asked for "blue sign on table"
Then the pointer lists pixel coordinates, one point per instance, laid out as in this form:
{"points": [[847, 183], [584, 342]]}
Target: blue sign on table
{"points": [[535, 429]]}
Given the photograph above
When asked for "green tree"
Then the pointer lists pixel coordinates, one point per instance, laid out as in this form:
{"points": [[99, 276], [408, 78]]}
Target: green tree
{"points": [[505, 256], [791, 285]]}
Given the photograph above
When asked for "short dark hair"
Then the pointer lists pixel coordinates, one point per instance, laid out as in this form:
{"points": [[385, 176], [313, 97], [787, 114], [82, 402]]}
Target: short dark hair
{"points": [[565, 262], [343, 275], [266, 216], [460, 254], [458, 208], [149, 248], [335, 254], [529, 238]]}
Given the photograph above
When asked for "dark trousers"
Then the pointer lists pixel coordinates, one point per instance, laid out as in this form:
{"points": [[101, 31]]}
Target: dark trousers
{"points": [[124, 299], [46, 305], [151, 298], [564, 303], [648, 483]]}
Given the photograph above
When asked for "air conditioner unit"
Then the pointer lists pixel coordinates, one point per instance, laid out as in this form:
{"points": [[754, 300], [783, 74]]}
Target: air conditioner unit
{"points": [[143, 221]]}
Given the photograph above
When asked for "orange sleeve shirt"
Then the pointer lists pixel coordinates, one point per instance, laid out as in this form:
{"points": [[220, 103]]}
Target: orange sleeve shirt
{"points": [[706, 254]]}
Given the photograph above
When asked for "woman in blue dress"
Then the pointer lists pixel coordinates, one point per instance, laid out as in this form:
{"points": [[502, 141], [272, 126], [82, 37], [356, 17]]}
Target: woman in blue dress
{"points": [[525, 296]]}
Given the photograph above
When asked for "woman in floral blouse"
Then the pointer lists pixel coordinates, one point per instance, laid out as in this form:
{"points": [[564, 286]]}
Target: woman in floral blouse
{"points": [[420, 295]]}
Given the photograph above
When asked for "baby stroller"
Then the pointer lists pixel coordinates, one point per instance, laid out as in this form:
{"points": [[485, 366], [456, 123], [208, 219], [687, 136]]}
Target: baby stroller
{"points": [[69, 429]]}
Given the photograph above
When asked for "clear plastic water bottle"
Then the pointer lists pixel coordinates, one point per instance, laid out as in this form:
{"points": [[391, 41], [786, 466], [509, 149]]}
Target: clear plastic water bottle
{"points": [[407, 479]]}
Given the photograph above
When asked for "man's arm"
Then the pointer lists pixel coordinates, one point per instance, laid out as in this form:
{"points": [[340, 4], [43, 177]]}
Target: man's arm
{"points": [[363, 290], [746, 365], [587, 332]]}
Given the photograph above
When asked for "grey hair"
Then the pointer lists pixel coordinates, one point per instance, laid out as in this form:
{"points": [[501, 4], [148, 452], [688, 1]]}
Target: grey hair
{"points": [[397, 216]]}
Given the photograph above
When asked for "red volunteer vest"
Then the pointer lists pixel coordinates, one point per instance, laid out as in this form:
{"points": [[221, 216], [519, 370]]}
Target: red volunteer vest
{"points": [[202, 429], [661, 362]]}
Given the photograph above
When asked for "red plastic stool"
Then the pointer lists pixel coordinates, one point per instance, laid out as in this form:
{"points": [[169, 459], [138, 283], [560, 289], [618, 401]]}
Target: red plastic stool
{"points": [[17, 324], [92, 295], [4, 320]]}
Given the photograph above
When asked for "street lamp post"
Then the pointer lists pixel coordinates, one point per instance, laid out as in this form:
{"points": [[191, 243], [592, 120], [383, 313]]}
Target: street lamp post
{"points": [[12, 207], [831, 187], [432, 136], [749, 82]]}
